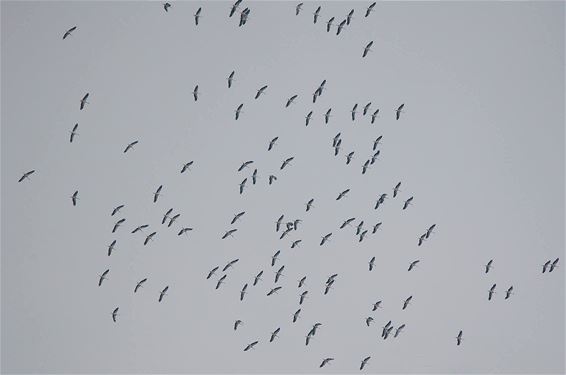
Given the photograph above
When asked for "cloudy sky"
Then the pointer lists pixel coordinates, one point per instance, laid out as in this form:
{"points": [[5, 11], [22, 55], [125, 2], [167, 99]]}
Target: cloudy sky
{"points": [[480, 146]]}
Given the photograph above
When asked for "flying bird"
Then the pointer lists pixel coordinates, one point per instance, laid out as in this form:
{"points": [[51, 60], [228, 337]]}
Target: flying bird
{"points": [[374, 115], [347, 222], [353, 111], [366, 108], [130, 146], [291, 100], [243, 184], [554, 264], [396, 189], [349, 157], [488, 266], [26, 175], [272, 143], [163, 293], [237, 216], [166, 6], [103, 277], [370, 8], [140, 228], [371, 263], [302, 281], [195, 93], [376, 306], [296, 315], [250, 346], [173, 219], [220, 281], [509, 292], [376, 227], [83, 100], [327, 115], [157, 193], [413, 264], [406, 302], [316, 14], [184, 230], [73, 133], [329, 24], [309, 204], [230, 264], [115, 314], [237, 323], [69, 32], [245, 165], [197, 15], [459, 338], [187, 166], [364, 362], [326, 361], [286, 162], [75, 197], [398, 330], [279, 273], [342, 194], [273, 291], [149, 238], [111, 247], [298, 8], [362, 235], [243, 292], [117, 224], [429, 231], [325, 238], [407, 203], [278, 223], [274, 257], [260, 91], [272, 178], [545, 266], [303, 295], [369, 320], [308, 118], [367, 48], [239, 110], [139, 285], [212, 272], [295, 243], [491, 292], [235, 7], [274, 334], [166, 216], [398, 111]]}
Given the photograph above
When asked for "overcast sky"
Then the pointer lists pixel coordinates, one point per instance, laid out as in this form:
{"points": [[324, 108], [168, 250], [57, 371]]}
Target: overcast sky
{"points": [[480, 146]]}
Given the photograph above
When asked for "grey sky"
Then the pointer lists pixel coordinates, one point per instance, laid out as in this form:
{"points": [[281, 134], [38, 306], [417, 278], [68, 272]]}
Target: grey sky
{"points": [[480, 146]]}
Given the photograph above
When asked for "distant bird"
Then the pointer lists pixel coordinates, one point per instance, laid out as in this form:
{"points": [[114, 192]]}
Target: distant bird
{"points": [[295, 243], [274, 334], [316, 14], [243, 292], [235, 7], [407, 203], [396, 189], [342, 194], [376, 142], [340, 27], [509, 292], [254, 176], [296, 315], [272, 143], [353, 111], [326, 361], [291, 100], [298, 8], [398, 111], [83, 100], [430, 229], [385, 328], [286, 162], [274, 257], [157, 193], [349, 157], [260, 91], [545, 266], [239, 110], [272, 178], [398, 330], [302, 281], [375, 228], [329, 24], [320, 88], [491, 292], [374, 115], [347, 222], [359, 227], [166, 6], [195, 93], [73, 133], [310, 204], [371, 263], [459, 338], [279, 273], [250, 346], [349, 17], [103, 277], [406, 302], [139, 285], [69, 32], [303, 296], [367, 48], [242, 185], [308, 118], [374, 157], [230, 264], [75, 197], [166, 216], [278, 223], [184, 230], [273, 291], [197, 15], [245, 165], [130, 146], [237, 216], [327, 115], [422, 238], [488, 266], [212, 272], [244, 16], [364, 362], [370, 9], [117, 224], [365, 166], [220, 281], [115, 314], [173, 219], [237, 323], [111, 247], [366, 108], [369, 320], [187, 166], [230, 78], [328, 287], [554, 265], [376, 306], [325, 238], [26, 175], [149, 238], [362, 235], [413, 264]]}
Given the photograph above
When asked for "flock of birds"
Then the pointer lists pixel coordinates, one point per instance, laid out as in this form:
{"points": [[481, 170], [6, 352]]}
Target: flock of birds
{"points": [[282, 226]]}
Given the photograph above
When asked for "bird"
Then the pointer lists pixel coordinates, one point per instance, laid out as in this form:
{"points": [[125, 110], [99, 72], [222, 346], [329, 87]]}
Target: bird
{"points": [[369, 320], [320, 88], [291, 100], [149, 238], [237, 323], [488, 266], [316, 14], [365, 166], [407, 202], [166, 6], [308, 118], [371, 263], [272, 143], [364, 362], [413, 264], [278, 223], [353, 111], [279, 273], [422, 238], [325, 238], [220, 281], [349, 157], [130, 146], [362, 235], [349, 17], [342, 194], [376, 306], [374, 115], [374, 157], [115, 314], [396, 189], [309, 204], [111, 247], [187, 166], [398, 111], [509, 292], [212, 272], [554, 264], [367, 48], [243, 292], [184, 230], [139, 284], [398, 330], [195, 93], [197, 15], [336, 139], [272, 178], [273, 290], [73, 133], [545, 266], [376, 142], [359, 227], [242, 185], [329, 24], [75, 197], [296, 315], [385, 328], [260, 91], [244, 16], [26, 175], [366, 108], [274, 257], [245, 165], [173, 219], [429, 231], [254, 176], [327, 115], [166, 216], [376, 227], [491, 292], [234, 7], [250, 346], [328, 287], [83, 100], [340, 27], [230, 264], [406, 302], [370, 9], [302, 281], [295, 243], [230, 78], [103, 277], [237, 216], [303, 295], [326, 361], [69, 32], [117, 224], [274, 334], [239, 110], [459, 338], [298, 8], [157, 193], [287, 162]]}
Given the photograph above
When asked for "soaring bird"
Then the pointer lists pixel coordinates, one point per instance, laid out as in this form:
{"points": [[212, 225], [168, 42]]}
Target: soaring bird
{"points": [[291, 100], [325, 238], [347, 222], [83, 100], [376, 306], [359, 227], [243, 184], [488, 266], [272, 178], [422, 238], [250, 346], [298, 8], [272, 143], [407, 202], [371, 263], [302, 296], [115, 314], [235, 7], [430, 230], [212, 272], [237, 216], [316, 14], [173, 219], [197, 15], [385, 328], [187, 166], [364, 362], [545, 266], [230, 264], [349, 17], [554, 264], [243, 292], [184, 230], [75, 197], [374, 157], [370, 8], [166, 6], [273, 291], [274, 334], [396, 189], [353, 111], [374, 115], [239, 110], [365, 166], [139, 285], [130, 146], [279, 273], [491, 292], [117, 224], [349, 157], [254, 176], [157, 193], [398, 111], [220, 281], [296, 315], [149, 238], [327, 115], [309, 204], [326, 361], [163, 293], [278, 223], [287, 162], [376, 227], [274, 257], [195, 93], [406, 302], [245, 165], [308, 118], [362, 235], [376, 142], [398, 330], [366, 108], [342, 194], [302, 281], [260, 91], [26, 175], [73, 133], [237, 323], [329, 24], [244, 16], [367, 48], [69, 32], [103, 277], [111, 247], [295, 243], [328, 286], [369, 320], [166, 216], [459, 338], [340, 27], [509, 292], [413, 264], [320, 88]]}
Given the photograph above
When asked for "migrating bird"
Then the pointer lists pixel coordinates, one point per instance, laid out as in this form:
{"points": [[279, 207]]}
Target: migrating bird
{"points": [[273, 290], [272, 143], [398, 330], [26, 175], [73, 133], [287, 162], [231, 78], [243, 292], [349, 17], [149, 238], [374, 115], [197, 15], [296, 315], [407, 203], [316, 14], [260, 91], [376, 306], [366, 108], [326, 361], [376, 227], [187, 166], [302, 281], [353, 111], [230, 264], [237, 216], [274, 334], [166, 6], [398, 111], [488, 266], [117, 224], [553, 265], [272, 178], [371, 263], [413, 264], [369, 320], [115, 314], [309, 204], [184, 230], [257, 278], [342, 194], [349, 157], [295, 243], [103, 277], [291, 100], [328, 287], [303, 295], [163, 293], [364, 362], [237, 323], [173, 219], [220, 281], [243, 184], [279, 273], [245, 165], [130, 146], [459, 338], [250, 346], [274, 257], [308, 118], [298, 9], [83, 100], [422, 238], [340, 27], [329, 24], [69, 32], [157, 193], [376, 142], [254, 176], [362, 235], [195, 93], [244, 16], [396, 189], [111, 247], [166, 216], [75, 197], [491, 292], [212, 272], [385, 328], [370, 9], [278, 223], [327, 115], [545, 266], [367, 48], [139, 284], [429, 231], [239, 110], [235, 7], [509, 292], [407, 301], [325, 238], [116, 209]]}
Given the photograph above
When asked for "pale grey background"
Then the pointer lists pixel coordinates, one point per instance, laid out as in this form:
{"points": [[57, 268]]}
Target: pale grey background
{"points": [[480, 146]]}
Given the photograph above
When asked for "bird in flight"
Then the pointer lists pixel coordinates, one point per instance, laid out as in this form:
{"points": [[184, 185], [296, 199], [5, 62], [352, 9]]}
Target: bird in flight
{"points": [[374, 115], [488, 266], [367, 48], [115, 314], [163, 293], [157, 193], [239, 110], [327, 115], [302, 297], [237, 216], [509, 292], [286, 162], [26, 175], [117, 224], [130, 146], [366, 108], [212, 272], [187, 166], [250, 346], [235, 7], [459, 338], [309, 204], [111, 247], [230, 264], [491, 292], [220, 281], [353, 111], [103, 277], [325, 238], [245, 165], [407, 203], [364, 362], [554, 264], [231, 78], [116, 209], [413, 264], [139, 284], [166, 6], [83, 100], [149, 238], [273, 290], [237, 323], [73, 133], [308, 118], [274, 257], [274, 334], [329, 24], [260, 91], [173, 219], [75, 197], [243, 292], [406, 302], [545, 266], [195, 93], [298, 9], [342, 194], [296, 315], [279, 273], [316, 14], [398, 330], [369, 320], [398, 111], [396, 189], [302, 281], [370, 9], [291, 100], [376, 306], [272, 143], [326, 361], [371, 263], [69, 32], [243, 185], [197, 15]]}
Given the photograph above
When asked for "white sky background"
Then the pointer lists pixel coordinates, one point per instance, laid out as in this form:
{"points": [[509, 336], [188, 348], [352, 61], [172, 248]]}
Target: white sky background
{"points": [[480, 146]]}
